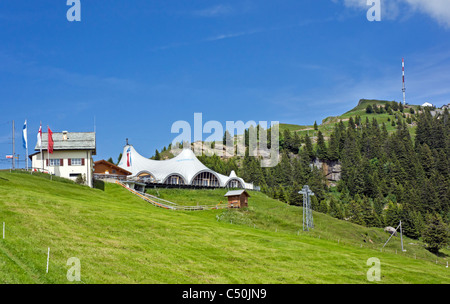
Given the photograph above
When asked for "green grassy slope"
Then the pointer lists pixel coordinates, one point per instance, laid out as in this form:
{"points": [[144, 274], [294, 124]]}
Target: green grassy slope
{"points": [[273, 215], [122, 239], [327, 125]]}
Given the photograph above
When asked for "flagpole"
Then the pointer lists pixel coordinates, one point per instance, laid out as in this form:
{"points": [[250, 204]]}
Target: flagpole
{"points": [[26, 140], [27, 156], [13, 145], [40, 146], [48, 150]]}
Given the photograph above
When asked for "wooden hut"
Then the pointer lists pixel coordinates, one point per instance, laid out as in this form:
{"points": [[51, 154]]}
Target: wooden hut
{"points": [[237, 198], [107, 170]]}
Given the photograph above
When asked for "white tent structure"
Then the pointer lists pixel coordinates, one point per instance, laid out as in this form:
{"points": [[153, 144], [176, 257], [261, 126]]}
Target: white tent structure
{"points": [[184, 169]]}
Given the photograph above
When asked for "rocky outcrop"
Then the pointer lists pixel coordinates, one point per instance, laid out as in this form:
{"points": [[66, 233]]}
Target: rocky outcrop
{"points": [[391, 230], [331, 169]]}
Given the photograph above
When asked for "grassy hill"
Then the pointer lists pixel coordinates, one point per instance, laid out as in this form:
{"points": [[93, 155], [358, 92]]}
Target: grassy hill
{"points": [[122, 239], [328, 123]]}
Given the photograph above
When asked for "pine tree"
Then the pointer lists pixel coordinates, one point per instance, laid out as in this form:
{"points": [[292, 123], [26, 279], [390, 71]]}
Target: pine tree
{"points": [[355, 212], [309, 147], [435, 234], [333, 149], [323, 207], [157, 155], [227, 138], [335, 210], [393, 215], [296, 142], [321, 151]]}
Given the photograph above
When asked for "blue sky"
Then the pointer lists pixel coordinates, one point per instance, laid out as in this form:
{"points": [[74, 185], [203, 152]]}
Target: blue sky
{"points": [[138, 66]]}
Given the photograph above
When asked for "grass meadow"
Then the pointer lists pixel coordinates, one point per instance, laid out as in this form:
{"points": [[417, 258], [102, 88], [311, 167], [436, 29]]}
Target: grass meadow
{"points": [[120, 238]]}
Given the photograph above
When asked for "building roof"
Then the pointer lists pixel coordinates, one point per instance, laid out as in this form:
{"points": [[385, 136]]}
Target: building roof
{"points": [[236, 193], [107, 163], [185, 165], [75, 141], [427, 104]]}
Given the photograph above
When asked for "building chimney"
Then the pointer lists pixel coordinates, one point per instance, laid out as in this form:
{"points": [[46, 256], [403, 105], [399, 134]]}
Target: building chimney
{"points": [[64, 135]]}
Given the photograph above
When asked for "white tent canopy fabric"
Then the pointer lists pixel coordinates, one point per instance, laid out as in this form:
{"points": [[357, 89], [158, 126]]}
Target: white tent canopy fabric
{"points": [[185, 166]]}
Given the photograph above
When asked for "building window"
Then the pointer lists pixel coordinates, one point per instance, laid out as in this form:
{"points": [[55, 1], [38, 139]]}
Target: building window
{"points": [[55, 162], [206, 179], [76, 162], [234, 183], [174, 180]]}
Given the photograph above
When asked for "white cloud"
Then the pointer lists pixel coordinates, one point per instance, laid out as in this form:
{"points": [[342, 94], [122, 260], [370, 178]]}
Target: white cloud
{"points": [[218, 10], [439, 10]]}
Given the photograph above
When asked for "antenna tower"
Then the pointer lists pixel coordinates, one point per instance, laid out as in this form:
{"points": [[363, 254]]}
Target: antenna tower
{"points": [[403, 80]]}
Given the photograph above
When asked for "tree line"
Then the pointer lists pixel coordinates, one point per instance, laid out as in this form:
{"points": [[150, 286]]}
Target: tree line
{"points": [[385, 177]]}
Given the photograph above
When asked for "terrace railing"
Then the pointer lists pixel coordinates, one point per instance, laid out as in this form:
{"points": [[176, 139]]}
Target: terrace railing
{"points": [[165, 204]]}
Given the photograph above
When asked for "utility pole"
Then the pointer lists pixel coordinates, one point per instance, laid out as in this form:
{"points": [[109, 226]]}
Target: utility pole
{"points": [[13, 146], [395, 231], [401, 235], [307, 210]]}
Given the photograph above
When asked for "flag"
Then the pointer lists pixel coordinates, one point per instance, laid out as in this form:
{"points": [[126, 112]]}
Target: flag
{"points": [[39, 137], [128, 157], [50, 141], [24, 136]]}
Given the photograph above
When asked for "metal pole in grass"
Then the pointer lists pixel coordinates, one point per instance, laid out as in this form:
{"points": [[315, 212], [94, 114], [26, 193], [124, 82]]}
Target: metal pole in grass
{"points": [[3, 230], [48, 258]]}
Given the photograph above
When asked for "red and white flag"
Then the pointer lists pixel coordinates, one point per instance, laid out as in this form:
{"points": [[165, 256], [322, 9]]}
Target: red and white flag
{"points": [[50, 141]]}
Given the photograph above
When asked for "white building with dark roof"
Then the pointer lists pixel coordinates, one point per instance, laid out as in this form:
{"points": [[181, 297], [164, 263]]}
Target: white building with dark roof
{"points": [[184, 169], [71, 157]]}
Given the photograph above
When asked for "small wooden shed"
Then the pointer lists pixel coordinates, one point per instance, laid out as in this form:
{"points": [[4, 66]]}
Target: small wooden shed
{"points": [[237, 198]]}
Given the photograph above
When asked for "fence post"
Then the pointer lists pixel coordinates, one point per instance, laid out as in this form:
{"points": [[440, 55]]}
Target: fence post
{"points": [[48, 258]]}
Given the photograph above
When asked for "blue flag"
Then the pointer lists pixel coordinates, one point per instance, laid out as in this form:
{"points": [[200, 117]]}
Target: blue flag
{"points": [[24, 136]]}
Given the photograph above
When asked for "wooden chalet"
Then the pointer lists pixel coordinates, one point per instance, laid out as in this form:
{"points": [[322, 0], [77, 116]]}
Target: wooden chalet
{"points": [[106, 170]]}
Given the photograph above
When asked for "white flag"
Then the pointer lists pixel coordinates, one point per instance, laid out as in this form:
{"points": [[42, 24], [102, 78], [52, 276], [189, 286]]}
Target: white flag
{"points": [[39, 137]]}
